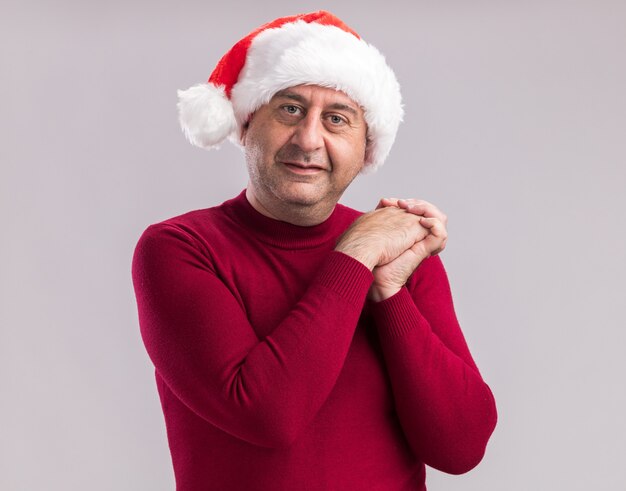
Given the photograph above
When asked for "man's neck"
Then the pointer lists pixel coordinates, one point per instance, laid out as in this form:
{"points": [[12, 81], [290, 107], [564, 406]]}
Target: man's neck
{"points": [[304, 216]]}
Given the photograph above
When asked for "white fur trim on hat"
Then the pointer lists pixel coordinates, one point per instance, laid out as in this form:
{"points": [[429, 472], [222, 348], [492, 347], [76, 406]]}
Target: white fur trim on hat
{"points": [[205, 115]]}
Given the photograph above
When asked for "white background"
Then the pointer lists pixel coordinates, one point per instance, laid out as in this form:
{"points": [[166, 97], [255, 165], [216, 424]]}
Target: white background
{"points": [[515, 126]]}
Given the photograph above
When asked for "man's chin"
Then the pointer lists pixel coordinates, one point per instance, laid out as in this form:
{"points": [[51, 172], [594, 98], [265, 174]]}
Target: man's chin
{"points": [[303, 194]]}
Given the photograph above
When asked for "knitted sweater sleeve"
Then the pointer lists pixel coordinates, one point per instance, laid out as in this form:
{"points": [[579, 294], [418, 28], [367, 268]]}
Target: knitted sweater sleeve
{"points": [[446, 409], [204, 348]]}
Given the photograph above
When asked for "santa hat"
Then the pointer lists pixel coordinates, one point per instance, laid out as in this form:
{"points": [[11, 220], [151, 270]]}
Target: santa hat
{"points": [[313, 49]]}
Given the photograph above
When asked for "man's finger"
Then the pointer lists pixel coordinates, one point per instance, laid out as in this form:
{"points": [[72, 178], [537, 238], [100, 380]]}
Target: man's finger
{"points": [[420, 206], [435, 242], [384, 202], [427, 210], [435, 226], [415, 206]]}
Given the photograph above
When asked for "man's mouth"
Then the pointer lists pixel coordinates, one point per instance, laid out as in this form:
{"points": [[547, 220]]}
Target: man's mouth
{"points": [[302, 168]]}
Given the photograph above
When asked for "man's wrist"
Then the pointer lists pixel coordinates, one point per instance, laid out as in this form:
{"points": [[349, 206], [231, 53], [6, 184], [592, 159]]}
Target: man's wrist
{"points": [[378, 294], [362, 255]]}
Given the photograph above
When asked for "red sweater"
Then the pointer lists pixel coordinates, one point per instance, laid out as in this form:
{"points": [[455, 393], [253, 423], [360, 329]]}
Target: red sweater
{"points": [[275, 373]]}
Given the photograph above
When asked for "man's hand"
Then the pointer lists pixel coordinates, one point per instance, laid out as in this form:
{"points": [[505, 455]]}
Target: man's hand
{"points": [[390, 277], [380, 236]]}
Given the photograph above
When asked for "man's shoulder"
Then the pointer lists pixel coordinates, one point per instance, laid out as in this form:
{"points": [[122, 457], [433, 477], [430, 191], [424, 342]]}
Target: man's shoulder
{"points": [[197, 223], [190, 220]]}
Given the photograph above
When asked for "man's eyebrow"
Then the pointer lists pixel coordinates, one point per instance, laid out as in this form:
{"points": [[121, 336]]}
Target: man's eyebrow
{"points": [[285, 94], [344, 107], [289, 95]]}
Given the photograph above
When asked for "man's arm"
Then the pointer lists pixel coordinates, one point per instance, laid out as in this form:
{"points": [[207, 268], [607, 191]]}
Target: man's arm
{"points": [[446, 410], [206, 351]]}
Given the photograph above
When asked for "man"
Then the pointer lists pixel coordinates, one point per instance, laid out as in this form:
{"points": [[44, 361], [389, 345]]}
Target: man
{"points": [[300, 344]]}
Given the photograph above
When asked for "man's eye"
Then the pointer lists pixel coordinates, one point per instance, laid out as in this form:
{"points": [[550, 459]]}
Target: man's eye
{"points": [[334, 119], [291, 109]]}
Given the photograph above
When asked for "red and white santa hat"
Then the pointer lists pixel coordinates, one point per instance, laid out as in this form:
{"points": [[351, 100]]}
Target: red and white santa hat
{"points": [[316, 48]]}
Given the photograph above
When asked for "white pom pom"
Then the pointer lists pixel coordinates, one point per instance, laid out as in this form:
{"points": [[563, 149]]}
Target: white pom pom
{"points": [[206, 115]]}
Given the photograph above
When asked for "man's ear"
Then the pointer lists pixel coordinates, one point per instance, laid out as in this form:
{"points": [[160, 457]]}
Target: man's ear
{"points": [[243, 133], [244, 130], [368, 146]]}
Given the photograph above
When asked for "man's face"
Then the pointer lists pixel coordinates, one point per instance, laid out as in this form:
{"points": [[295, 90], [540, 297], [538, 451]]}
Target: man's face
{"points": [[304, 148]]}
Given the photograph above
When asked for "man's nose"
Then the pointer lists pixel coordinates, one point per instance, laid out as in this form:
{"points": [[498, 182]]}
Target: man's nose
{"points": [[308, 134]]}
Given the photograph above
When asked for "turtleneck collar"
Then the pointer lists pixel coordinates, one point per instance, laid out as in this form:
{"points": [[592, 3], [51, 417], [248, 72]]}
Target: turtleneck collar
{"points": [[282, 234]]}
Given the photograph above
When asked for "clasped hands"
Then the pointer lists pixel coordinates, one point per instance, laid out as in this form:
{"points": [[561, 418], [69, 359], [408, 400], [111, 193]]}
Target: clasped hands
{"points": [[393, 240]]}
